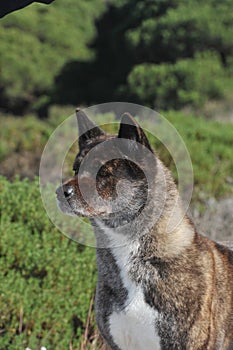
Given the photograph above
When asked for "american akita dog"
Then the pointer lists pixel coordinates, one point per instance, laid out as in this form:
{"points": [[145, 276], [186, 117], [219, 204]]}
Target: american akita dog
{"points": [[156, 289]]}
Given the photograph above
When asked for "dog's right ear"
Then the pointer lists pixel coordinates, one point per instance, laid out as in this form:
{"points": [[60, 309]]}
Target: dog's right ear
{"points": [[87, 129], [131, 130]]}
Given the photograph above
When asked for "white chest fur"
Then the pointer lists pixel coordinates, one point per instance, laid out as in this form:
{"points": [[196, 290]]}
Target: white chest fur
{"points": [[134, 327]]}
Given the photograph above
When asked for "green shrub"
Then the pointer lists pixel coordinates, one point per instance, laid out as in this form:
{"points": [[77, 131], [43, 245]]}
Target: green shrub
{"points": [[22, 134], [187, 82], [47, 281], [35, 44], [210, 146]]}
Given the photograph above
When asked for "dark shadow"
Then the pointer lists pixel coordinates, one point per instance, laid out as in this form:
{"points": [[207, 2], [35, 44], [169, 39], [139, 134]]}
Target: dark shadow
{"points": [[104, 78]]}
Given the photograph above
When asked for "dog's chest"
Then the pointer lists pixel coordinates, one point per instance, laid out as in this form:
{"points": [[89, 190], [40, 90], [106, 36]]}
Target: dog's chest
{"points": [[134, 326]]}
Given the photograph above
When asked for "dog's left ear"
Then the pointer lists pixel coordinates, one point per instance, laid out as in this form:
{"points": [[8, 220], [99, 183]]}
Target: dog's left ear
{"points": [[87, 129], [131, 130]]}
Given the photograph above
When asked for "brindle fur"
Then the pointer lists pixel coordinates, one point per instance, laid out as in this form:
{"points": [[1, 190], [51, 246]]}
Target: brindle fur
{"points": [[185, 276]]}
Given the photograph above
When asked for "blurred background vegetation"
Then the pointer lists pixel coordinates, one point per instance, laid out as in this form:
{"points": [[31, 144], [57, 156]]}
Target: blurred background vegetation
{"points": [[165, 54], [174, 56]]}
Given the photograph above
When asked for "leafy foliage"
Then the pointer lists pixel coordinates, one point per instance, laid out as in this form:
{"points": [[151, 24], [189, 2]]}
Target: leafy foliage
{"points": [[26, 134], [72, 53], [47, 281], [176, 73], [149, 52], [209, 145], [184, 28], [35, 44], [190, 81]]}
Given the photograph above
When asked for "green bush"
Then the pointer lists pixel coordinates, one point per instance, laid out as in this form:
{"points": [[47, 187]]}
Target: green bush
{"points": [[86, 52], [47, 281], [35, 44], [22, 134], [210, 146], [187, 82]]}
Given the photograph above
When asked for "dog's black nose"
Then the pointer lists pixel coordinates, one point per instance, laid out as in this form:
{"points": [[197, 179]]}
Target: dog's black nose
{"points": [[66, 191]]}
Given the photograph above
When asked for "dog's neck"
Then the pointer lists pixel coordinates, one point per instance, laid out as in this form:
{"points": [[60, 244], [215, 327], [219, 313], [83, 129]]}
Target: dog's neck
{"points": [[151, 228]]}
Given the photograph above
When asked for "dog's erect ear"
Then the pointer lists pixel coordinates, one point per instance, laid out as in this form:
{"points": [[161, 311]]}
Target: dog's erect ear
{"points": [[87, 129], [130, 129]]}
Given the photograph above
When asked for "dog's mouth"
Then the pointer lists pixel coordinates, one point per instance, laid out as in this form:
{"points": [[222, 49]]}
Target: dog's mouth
{"points": [[67, 202], [67, 209]]}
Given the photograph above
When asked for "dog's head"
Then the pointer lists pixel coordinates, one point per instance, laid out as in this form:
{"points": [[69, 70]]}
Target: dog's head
{"points": [[107, 183]]}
